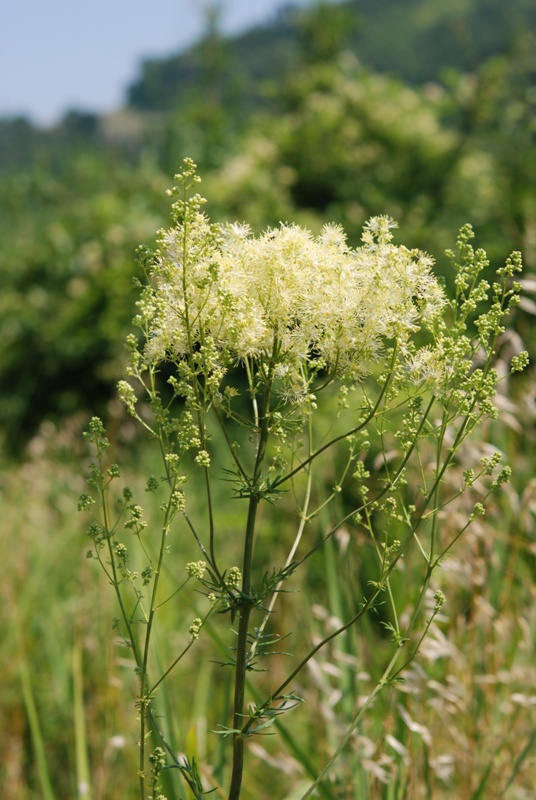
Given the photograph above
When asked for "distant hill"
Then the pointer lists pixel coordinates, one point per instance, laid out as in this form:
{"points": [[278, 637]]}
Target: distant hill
{"points": [[419, 41], [416, 40]]}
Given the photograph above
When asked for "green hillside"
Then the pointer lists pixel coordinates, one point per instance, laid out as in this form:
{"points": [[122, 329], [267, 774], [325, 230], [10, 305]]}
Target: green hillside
{"points": [[414, 40], [337, 112]]}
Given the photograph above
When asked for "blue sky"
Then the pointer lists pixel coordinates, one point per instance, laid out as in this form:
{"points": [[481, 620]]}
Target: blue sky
{"points": [[62, 54]]}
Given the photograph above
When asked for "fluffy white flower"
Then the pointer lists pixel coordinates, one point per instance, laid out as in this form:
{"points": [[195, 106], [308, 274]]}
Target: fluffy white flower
{"points": [[287, 297]]}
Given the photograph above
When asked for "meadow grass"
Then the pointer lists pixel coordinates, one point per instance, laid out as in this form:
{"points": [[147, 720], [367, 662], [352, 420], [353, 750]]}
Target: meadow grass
{"points": [[414, 697], [460, 724]]}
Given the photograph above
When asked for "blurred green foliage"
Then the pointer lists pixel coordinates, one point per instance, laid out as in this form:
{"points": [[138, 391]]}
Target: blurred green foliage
{"points": [[303, 120], [424, 111], [68, 256]]}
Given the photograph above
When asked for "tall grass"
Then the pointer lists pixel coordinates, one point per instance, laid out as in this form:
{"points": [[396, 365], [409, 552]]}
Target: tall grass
{"points": [[461, 724]]}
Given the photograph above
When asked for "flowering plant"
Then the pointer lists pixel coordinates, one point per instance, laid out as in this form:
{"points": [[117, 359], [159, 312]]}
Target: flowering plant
{"points": [[273, 336]]}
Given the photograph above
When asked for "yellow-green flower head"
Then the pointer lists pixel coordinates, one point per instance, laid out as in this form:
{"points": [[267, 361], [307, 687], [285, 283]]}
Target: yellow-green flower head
{"points": [[304, 297]]}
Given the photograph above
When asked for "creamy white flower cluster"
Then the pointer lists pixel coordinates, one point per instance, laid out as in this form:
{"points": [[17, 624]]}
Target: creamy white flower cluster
{"points": [[287, 296]]}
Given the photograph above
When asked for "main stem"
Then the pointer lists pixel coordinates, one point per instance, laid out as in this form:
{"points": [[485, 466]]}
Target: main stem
{"points": [[241, 657], [245, 612]]}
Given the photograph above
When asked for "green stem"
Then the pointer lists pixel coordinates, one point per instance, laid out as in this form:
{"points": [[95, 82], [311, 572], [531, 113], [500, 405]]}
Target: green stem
{"points": [[103, 499], [384, 680], [241, 656], [381, 493], [243, 625], [297, 539], [144, 678], [351, 432], [362, 611]]}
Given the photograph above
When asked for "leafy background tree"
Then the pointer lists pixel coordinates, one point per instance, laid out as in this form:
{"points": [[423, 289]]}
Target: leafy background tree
{"points": [[320, 115]]}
